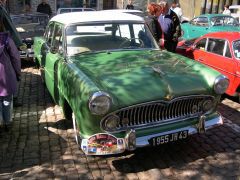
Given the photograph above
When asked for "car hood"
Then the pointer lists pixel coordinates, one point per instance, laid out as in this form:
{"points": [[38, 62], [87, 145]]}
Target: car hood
{"points": [[133, 77]]}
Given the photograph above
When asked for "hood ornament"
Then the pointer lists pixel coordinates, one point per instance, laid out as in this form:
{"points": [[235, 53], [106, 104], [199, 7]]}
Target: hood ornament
{"points": [[168, 97], [157, 69]]}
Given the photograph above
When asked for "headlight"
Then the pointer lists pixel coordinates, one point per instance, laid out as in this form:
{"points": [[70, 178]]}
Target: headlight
{"points": [[221, 84], [100, 103]]}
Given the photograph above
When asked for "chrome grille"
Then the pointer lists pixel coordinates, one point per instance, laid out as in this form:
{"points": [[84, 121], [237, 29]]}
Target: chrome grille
{"points": [[157, 113]]}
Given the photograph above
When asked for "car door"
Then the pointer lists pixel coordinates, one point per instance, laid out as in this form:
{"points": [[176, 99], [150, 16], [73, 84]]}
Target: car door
{"points": [[41, 46], [53, 56], [219, 57]]}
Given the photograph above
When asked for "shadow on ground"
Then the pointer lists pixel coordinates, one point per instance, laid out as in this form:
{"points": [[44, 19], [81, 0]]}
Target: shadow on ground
{"points": [[216, 152], [33, 139]]}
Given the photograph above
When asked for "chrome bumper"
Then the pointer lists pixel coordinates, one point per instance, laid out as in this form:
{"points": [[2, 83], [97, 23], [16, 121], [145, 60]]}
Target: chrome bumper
{"points": [[28, 53], [143, 141], [104, 143]]}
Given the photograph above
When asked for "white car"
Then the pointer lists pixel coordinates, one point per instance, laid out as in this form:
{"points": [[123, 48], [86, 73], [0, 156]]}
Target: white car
{"points": [[235, 12], [68, 10], [129, 11]]}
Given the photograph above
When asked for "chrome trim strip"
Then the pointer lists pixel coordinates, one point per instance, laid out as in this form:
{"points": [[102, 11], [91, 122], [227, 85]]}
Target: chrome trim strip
{"points": [[143, 141]]}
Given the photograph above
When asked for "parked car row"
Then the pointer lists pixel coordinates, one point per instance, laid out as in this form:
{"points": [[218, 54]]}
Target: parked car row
{"points": [[29, 25], [207, 23], [221, 51], [118, 88], [213, 39]]}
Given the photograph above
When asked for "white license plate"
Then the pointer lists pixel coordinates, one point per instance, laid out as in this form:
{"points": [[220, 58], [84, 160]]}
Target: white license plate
{"points": [[168, 138]]}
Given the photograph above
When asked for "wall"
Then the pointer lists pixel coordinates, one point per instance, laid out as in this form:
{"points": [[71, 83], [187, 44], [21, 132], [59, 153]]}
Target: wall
{"points": [[16, 7]]}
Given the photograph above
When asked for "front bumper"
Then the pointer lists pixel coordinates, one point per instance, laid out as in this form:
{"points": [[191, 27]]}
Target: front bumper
{"points": [[27, 54], [106, 144], [143, 141]]}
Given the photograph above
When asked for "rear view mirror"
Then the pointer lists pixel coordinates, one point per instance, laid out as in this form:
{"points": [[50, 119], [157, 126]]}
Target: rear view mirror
{"points": [[111, 28]]}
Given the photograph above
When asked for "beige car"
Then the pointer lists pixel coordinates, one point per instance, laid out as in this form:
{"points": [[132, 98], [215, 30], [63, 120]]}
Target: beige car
{"points": [[235, 12]]}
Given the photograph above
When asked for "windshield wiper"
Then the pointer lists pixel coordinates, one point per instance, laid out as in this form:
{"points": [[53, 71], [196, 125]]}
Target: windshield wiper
{"points": [[131, 47]]}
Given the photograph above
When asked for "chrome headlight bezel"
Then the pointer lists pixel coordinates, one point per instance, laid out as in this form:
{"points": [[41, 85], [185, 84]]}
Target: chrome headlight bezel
{"points": [[221, 84], [98, 96]]}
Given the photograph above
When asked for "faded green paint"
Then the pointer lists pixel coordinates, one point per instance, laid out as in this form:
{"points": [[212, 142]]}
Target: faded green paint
{"points": [[130, 79]]}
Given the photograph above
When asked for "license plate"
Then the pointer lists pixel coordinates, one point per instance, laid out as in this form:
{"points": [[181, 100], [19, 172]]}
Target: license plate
{"points": [[168, 138]]}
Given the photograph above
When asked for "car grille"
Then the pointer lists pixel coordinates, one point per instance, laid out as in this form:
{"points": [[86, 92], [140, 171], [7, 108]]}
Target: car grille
{"points": [[156, 113]]}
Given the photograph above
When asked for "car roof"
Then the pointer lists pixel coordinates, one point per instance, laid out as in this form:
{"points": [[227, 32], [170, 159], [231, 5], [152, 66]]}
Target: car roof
{"points": [[84, 9], [212, 15], [94, 16], [130, 11], [234, 7], [224, 35], [123, 10]]}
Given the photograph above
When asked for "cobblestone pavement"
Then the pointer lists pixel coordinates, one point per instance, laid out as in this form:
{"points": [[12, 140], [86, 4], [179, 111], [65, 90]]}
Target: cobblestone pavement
{"points": [[41, 146]]}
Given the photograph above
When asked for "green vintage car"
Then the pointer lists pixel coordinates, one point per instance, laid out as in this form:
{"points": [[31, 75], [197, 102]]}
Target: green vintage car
{"points": [[118, 88], [207, 23]]}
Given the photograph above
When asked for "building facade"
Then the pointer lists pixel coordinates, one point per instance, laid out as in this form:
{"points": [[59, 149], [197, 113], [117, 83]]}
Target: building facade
{"points": [[200, 6]]}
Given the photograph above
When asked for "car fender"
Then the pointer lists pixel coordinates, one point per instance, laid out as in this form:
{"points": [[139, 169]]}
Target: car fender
{"points": [[75, 88]]}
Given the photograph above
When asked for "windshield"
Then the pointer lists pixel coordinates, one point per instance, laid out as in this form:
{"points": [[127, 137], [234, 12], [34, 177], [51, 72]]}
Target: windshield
{"points": [[223, 21], [107, 37], [236, 49]]}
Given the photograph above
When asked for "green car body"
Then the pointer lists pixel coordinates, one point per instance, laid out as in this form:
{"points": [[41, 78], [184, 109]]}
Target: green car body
{"points": [[207, 23], [122, 98]]}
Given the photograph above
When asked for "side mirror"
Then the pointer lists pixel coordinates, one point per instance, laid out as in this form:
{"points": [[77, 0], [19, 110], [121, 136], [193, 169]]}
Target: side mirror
{"points": [[193, 47], [60, 51]]}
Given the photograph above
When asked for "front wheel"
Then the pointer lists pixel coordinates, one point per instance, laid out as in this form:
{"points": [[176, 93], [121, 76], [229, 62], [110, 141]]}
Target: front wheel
{"points": [[76, 130]]}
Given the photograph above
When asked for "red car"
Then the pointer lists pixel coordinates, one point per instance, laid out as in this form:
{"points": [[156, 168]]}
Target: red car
{"points": [[220, 51]]}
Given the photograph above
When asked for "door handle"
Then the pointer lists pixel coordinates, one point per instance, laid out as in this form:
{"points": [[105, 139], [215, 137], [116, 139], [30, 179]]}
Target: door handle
{"points": [[200, 59]]}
